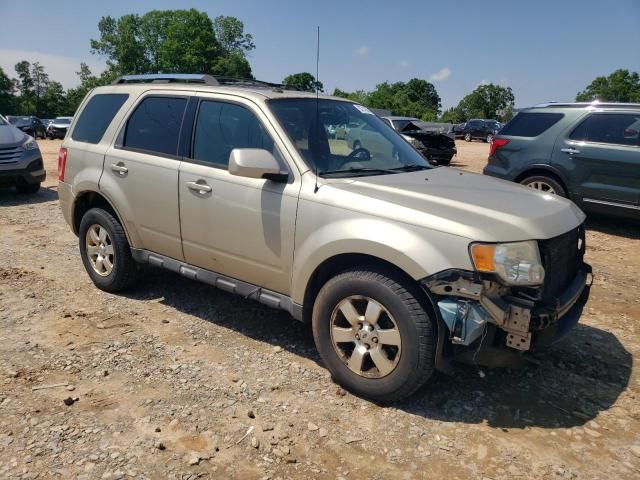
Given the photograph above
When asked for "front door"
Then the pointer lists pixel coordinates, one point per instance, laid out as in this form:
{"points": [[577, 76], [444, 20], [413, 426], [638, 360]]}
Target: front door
{"points": [[602, 155], [239, 227]]}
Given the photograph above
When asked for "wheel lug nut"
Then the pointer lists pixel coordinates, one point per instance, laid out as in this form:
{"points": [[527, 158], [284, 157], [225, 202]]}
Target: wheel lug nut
{"points": [[374, 339]]}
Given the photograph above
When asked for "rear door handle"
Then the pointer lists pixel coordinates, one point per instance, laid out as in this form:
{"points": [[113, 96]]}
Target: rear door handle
{"points": [[570, 151], [199, 187], [119, 168]]}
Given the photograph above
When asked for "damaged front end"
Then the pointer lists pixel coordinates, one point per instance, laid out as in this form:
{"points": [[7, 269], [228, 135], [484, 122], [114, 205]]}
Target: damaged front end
{"points": [[481, 310], [437, 147]]}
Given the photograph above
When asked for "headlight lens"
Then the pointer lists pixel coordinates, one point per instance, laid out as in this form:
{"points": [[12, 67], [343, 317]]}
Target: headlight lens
{"points": [[30, 144], [517, 263]]}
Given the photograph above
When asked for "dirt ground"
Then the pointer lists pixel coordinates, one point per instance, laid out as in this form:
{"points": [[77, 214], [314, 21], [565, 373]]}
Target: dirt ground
{"points": [[178, 380]]}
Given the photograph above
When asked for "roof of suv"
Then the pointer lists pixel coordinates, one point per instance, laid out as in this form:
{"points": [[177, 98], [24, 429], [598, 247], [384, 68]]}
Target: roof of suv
{"points": [[207, 83], [589, 105]]}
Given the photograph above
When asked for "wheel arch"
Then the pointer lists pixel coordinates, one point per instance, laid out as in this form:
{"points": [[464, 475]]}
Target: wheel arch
{"points": [[544, 170], [91, 199]]}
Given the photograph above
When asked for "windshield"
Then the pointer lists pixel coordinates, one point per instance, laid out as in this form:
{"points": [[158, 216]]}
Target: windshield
{"points": [[63, 121], [494, 125], [362, 143], [19, 121]]}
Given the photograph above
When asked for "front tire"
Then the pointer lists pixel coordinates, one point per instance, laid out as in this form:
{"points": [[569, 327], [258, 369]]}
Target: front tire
{"points": [[467, 137], [374, 334], [105, 251], [546, 184]]}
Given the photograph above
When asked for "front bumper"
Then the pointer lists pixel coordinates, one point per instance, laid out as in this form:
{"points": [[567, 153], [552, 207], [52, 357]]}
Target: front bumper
{"points": [[468, 304], [33, 173]]}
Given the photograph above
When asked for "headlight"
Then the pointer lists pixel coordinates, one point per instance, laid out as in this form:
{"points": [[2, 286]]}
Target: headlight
{"points": [[30, 144], [517, 263]]}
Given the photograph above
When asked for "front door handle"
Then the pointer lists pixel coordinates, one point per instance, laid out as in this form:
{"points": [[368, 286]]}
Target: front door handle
{"points": [[119, 168], [199, 187], [570, 151]]}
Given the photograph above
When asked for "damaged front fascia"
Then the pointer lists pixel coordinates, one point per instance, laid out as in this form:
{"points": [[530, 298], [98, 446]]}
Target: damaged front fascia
{"points": [[468, 301]]}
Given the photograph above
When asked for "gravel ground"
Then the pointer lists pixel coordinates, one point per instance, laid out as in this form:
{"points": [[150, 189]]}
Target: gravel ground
{"points": [[178, 380]]}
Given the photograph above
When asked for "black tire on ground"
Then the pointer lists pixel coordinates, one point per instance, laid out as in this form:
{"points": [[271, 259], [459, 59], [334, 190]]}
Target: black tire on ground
{"points": [[467, 137], [28, 189], [548, 180], [403, 300], [444, 161], [125, 269]]}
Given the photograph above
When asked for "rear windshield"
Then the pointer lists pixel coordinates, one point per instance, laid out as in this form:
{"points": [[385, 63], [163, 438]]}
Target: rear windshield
{"points": [[530, 124], [62, 121], [96, 117]]}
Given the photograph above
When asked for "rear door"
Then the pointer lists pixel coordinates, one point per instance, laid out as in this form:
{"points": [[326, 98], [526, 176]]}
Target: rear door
{"points": [[602, 153], [141, 172]]}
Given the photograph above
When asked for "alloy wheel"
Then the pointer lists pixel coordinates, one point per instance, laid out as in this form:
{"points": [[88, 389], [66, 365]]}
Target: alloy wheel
{"points": [[542, 186], [365, 336], [100, 250]]}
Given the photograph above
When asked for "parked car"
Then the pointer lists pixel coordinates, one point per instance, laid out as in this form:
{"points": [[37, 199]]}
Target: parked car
{"points": [[29, 125], [435, 145], [478, 129], [20, 159], [46, 121], [395, 264], [58, 127], [588, 152]]}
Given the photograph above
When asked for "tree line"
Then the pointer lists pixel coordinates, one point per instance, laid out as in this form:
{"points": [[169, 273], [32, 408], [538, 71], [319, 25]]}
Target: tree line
{"points": [[189, 41]]}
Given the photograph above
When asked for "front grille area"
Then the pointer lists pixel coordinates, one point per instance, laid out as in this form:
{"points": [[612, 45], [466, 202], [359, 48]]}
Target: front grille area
{"points": [[561, 257], [10, 154]]}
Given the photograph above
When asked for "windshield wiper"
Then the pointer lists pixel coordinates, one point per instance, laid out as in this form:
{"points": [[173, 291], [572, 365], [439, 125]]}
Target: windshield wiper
{"points": [[412, 168], [358, 170]]}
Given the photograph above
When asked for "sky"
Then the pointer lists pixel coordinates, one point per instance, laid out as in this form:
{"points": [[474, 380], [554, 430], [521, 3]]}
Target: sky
{"points": [[544, 50]]}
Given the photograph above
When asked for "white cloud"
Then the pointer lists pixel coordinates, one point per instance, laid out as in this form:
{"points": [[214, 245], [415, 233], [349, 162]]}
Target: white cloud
{"points": [[484, 81], [404, 63], [59, 67], [363, 51], [440, 75]]}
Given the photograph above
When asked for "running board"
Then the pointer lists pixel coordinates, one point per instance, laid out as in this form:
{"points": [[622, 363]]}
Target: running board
{"points": [[228, 284]]}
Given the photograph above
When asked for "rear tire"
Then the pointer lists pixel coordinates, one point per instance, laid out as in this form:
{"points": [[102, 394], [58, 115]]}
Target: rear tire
{"points": [[467, 137], [489, 139], [544, 183], [106, 255], [384, 369], [28, 189]]}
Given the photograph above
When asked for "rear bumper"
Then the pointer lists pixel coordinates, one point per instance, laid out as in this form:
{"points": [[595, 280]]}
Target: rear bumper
{"points": [[498, 172]]}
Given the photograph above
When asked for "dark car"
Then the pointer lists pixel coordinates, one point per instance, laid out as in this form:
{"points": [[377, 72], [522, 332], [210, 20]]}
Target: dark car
{"points": [[30, 125], [20, 159], [430, 139], [58, 128], [477, 129], [587, 152]]}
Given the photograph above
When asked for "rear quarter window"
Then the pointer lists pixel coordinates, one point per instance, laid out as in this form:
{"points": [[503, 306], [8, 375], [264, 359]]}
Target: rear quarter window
{"points": [[96, 116], [526, 124]]}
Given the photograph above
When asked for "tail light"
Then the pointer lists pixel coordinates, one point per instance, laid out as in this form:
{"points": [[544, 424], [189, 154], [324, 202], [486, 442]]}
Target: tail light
{"points": [[62, 163], [496, 144]]}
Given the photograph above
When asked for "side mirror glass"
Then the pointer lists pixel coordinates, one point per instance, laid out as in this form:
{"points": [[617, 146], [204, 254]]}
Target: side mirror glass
{"points": [[255, 163]]}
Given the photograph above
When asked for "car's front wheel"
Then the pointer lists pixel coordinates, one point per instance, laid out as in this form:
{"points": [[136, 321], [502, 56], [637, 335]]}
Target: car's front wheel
{"points": [[467, 137], [374, 334], [105, 251], [489, 138]]}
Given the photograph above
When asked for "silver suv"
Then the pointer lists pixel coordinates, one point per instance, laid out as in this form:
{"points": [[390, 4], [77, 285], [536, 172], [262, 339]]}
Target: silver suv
{"points": [[399, 267]]}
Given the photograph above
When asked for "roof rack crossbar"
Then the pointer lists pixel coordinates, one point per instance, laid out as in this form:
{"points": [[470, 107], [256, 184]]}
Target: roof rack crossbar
{"points": [[594, 104], [167, 78]]}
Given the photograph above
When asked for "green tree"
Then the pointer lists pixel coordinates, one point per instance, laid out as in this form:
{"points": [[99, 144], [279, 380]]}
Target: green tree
{"points": [[229, 32], [88, 81], [173, 41], [487, 101], [54, 100], [620, 86], [359, 96], [24, 85], [415, 98], [303, 81], [40, 84], [452, 115], [7, 97]]}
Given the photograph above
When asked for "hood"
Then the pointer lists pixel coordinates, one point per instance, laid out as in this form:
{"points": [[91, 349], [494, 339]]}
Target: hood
{"points": [[11, 136], [466, 204]]}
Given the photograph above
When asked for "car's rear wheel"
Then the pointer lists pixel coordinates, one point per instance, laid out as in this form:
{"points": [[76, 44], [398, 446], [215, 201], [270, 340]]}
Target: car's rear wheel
{"points": [[105, 251], [489, 138], [467, 137], [544, 184], [29, 188], [374, 333]]}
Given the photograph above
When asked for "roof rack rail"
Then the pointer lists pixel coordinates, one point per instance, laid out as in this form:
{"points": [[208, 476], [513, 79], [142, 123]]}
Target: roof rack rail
{"points": [[594, 104], [167, 78], [251, 82]]}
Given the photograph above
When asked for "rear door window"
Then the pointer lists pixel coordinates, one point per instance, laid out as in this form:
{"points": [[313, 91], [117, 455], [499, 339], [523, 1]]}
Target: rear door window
{"points": [[154, 126], [96, 116], [612, 128], [527, 124]]}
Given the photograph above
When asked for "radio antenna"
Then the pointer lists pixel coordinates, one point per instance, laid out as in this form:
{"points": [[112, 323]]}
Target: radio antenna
{"points": [[317, 125]]}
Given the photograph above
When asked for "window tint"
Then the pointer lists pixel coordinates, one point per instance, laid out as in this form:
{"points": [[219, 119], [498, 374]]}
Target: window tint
{"points": [[96, 116], [221, 127], [619, 129], [155, 125], [530, 124]]}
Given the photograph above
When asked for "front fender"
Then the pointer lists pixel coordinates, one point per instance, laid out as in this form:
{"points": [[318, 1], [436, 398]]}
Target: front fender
{"points": [[417, 251]]}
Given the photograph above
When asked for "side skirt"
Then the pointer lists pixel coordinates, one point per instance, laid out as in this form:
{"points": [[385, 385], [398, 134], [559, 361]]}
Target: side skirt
{"points": [[228, 284]]}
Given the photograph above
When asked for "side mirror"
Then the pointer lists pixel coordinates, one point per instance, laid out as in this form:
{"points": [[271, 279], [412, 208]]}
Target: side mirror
{"points": [[255, 163]]}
